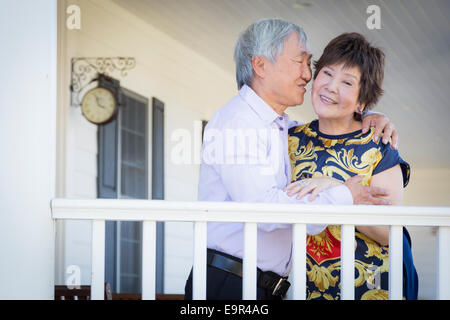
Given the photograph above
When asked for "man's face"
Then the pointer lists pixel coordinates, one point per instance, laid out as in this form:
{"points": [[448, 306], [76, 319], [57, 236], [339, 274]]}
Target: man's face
{"points": [[287, 77]]}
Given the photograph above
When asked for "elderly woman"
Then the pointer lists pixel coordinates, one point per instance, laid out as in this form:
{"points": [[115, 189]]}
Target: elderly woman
{"points": [[347, 82]]}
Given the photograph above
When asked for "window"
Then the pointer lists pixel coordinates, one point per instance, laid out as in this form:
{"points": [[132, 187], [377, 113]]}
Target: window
{"points": [[123, 174]]}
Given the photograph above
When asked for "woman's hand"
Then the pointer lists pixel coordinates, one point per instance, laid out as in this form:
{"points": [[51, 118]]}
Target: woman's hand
{"points": [[313, 185]]}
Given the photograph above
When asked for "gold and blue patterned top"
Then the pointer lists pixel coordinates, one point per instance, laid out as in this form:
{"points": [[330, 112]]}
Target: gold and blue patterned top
{"points": [[314, 154]]}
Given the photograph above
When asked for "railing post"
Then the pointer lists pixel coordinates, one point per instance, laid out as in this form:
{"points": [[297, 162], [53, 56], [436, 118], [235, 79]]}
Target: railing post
{"points": [[199, 272], [298, 273], [98, 260], [396, 263], [249, 262], [148, 260], [443, 264], [348, 262]]}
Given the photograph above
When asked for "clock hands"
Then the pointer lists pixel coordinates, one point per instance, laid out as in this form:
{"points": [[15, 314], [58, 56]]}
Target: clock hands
{"points": [[98, 102]]}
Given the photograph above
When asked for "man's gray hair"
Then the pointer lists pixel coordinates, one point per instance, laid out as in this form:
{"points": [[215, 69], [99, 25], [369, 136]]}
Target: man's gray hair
{"points": [[262, 38]]}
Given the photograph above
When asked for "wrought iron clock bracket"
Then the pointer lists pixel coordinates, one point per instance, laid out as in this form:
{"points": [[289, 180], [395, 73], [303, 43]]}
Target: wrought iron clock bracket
{"points": [[90, 72]]}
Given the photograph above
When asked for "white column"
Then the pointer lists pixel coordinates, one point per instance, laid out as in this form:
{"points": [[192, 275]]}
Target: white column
{"points": [[443, 264], [199, 272], [98, 260], [148, 260], [298, 273], [28, 77], [396, 263], [348, 262], [249, 262]]}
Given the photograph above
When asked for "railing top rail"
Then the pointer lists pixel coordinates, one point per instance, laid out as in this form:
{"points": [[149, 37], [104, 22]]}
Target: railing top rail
{"points": [[163, 210]]}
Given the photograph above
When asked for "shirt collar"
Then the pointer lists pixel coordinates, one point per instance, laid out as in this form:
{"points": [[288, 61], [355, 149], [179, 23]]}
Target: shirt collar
{"points": [[261, 108]]}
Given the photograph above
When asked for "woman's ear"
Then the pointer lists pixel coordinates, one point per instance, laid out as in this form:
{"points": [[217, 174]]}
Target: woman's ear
{"points": [[259, 65]]}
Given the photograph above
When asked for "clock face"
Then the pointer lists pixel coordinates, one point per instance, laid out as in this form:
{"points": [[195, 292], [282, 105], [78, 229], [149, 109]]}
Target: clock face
{"points": [[99, 105]]}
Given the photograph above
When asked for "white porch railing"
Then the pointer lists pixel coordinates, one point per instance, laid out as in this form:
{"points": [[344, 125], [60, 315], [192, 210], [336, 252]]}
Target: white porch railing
{"points": [[150, 211]]}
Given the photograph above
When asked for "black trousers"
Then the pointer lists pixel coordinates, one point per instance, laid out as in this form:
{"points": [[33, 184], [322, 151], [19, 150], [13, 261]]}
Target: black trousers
{"points": [[223, 285]]}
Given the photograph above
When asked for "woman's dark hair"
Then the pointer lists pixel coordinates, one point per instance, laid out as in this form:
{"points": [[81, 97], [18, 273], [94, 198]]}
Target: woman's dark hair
{"points": [[354, 50]]}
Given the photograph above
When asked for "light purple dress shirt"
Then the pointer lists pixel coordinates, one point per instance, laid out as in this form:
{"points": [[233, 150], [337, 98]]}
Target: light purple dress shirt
{"points": [[245, 159]]}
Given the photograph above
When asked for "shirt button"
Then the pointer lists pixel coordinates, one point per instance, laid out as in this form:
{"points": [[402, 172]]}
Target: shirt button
{"points": [[281, 129], [281, 118]]}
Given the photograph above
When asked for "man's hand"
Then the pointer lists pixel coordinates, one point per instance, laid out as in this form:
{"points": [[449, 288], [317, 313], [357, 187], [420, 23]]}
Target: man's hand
{"points": [[382, 124], [366, 195]]}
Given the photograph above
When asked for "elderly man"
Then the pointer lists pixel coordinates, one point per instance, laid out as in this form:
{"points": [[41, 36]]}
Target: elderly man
{"points": [[272, 70]]}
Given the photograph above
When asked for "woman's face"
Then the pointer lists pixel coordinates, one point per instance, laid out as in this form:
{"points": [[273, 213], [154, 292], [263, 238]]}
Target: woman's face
{"points": [[335, 92]]}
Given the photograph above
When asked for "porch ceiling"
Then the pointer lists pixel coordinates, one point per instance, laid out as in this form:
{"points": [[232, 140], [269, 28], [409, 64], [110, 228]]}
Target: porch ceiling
{"points": [[415, 35]]}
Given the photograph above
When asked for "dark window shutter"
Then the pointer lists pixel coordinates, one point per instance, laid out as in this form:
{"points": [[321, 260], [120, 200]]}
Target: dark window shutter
{"points": [[158, 150], [158, 184], [107, 161], [107, 188]]}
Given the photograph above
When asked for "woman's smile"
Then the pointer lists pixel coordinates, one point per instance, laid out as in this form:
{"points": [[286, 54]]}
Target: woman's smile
{"points": [[326, 100]]}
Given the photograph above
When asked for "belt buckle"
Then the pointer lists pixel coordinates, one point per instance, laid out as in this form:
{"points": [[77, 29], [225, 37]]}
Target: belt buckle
{"points": [[277, 287]]}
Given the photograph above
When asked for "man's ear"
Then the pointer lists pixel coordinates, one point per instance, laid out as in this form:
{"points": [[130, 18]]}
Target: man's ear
{"points": [[360, 108], [259, 65]]}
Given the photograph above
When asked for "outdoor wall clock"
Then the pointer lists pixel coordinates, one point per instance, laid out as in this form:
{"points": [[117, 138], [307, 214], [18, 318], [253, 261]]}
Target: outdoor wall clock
{"points": [[99, 105], [95, 90]]}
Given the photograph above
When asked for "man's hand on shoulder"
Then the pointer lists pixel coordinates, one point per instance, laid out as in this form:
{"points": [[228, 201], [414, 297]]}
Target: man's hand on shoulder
{"points": [[382, 124], [366, 195]]}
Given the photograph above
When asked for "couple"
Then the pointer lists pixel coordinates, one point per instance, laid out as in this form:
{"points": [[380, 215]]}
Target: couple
{"points": [[334, 159]]}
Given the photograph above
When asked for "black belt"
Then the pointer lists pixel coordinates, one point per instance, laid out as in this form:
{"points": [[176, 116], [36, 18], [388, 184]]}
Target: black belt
{"points": [[267, 280]]}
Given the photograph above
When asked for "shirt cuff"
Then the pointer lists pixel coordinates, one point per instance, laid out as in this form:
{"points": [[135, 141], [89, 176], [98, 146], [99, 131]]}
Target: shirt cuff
{"points": [[313, 229], [341, 195]]}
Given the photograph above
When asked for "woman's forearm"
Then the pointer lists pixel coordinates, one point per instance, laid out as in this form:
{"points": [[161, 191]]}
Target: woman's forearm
{"points": [[378, 233], [391, 180]]}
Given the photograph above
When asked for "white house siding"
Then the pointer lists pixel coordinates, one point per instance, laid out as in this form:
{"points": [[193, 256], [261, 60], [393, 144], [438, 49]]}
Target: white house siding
{"points": [[191, 87]]}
